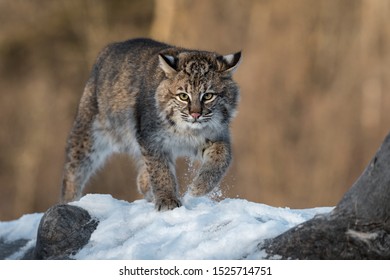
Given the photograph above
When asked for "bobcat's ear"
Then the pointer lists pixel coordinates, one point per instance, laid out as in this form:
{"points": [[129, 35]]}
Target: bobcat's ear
{"points": [[230, 62], [168, 63]]}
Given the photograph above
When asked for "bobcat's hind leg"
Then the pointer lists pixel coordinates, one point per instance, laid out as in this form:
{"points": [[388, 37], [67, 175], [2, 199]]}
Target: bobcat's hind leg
{"points": [[86, 151], [77, 170], [73, 181], [143, 183]]}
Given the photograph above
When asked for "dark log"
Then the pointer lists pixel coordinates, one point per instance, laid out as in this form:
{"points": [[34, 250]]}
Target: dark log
{"points": [[358, 228], [63, 230], [9, 248]]}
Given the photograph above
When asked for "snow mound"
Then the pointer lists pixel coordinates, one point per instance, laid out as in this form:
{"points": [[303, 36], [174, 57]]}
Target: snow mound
{"points": [[201, 229]]}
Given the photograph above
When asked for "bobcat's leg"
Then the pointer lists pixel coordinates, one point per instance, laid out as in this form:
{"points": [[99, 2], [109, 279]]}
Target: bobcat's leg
{"points": [[162, 181], [143, 183], [76, 174], [78, 166], [86, 151], [216, 159]]}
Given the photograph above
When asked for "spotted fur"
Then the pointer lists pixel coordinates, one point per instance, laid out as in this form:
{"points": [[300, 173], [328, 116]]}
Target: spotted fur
{"points": [[156, 102]]}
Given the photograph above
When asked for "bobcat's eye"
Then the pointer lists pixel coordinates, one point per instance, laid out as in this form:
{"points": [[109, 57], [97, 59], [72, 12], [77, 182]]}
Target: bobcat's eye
{"points": [[183, 96], [208, 96]]}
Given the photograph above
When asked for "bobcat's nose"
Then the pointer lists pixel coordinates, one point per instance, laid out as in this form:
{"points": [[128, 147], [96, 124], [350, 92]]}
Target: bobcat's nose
{"points": [[195, 115]]}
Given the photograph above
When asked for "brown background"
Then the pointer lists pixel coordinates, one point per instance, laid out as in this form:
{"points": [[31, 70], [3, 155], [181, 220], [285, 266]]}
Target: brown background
{"points": [[314, 81]]}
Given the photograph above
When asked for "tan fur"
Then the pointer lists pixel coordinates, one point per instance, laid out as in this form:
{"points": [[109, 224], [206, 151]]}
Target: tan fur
{"points": [[155, 102]]}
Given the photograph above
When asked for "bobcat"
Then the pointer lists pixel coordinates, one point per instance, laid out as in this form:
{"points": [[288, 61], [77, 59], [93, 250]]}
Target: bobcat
{"points": [[156, 102]]}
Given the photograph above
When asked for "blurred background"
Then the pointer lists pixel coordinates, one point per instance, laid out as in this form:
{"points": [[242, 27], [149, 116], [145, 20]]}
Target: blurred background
{"points": [[315, 82]]}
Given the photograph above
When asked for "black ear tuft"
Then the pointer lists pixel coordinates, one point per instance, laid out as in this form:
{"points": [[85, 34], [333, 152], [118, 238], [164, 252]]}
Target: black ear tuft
{"points": [[168, 63], [230, 62]]}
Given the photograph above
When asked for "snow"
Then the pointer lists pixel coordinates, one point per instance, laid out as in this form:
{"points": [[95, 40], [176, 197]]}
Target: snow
{"points": [[201, 229]]}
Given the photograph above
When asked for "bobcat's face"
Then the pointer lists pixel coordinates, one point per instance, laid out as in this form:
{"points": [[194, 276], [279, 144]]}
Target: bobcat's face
{"points": [[197, 98], [198, 92]]}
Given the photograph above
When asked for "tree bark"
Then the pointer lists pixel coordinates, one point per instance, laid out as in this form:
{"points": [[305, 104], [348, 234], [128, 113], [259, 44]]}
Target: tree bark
{"points": [[358, 228]]}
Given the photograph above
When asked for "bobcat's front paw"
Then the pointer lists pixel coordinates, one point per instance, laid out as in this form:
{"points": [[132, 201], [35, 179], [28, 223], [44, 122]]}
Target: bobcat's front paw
{"points": [[167, 203], [199, 189]]}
